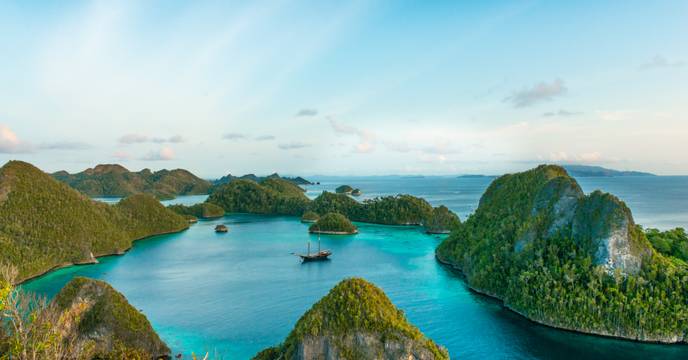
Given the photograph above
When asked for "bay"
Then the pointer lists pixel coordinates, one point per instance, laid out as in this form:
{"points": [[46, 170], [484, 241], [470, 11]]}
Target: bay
{"points": [[236, 293]]}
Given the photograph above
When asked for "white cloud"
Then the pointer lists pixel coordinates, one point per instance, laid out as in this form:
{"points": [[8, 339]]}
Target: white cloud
{"points": [[293, 146], [561, 113], [65, 145], [660, 62], [540, 92], [366, 139], [121, 155], [139, 139], [307, 112], [564, 157], [234, 136], [164, 154], [264, 138], [10, 143]]}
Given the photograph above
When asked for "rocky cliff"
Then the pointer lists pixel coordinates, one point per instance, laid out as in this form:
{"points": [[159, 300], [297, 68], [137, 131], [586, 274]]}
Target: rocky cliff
{"points": [[101, 324], [355, 320], [569, 260]]}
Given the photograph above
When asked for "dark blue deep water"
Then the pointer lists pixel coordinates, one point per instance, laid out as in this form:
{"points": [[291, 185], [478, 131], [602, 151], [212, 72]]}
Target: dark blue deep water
{"points": [[236, 293]]}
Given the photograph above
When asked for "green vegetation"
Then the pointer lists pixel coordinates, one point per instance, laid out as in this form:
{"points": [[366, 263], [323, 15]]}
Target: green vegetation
{"points": [[273, 196], [106, 312], [569, 260], [333, 223], [259, 179], [355, 307], [277, 196], [344, 189], [88, 319], [310, 217], [46, 224], [388, 210], [395, 210], [442, 221], [672, 243], [202, 210], [115, 180]]}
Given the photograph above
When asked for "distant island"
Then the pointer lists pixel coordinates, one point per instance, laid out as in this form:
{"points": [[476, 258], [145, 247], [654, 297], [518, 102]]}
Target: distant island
{"points": [[281, 197], [348, 190], [344, 189], [46, 224], [572, 260], [298, 180], [475, 176], [598, 171], [112, 180], [355, 320]]}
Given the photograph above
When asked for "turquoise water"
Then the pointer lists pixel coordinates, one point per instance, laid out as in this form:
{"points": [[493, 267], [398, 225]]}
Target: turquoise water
{"points": [[236, 293]]}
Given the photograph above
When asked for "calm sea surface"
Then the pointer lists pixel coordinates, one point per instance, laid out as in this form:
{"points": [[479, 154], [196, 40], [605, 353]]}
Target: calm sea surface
{"points": [[236, 293]]}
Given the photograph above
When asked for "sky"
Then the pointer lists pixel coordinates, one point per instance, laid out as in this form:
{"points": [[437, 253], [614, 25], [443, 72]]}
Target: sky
{"points": [[344, 87]]}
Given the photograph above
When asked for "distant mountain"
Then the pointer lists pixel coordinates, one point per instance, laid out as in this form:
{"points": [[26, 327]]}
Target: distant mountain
{"points": [[598, 171], [475, 176], [116, 180], [46, 224], [298, 180], [355, 320]]}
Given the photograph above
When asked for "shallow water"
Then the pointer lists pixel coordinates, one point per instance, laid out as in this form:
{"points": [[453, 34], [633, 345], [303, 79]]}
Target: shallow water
{"points": [[236, 293]]}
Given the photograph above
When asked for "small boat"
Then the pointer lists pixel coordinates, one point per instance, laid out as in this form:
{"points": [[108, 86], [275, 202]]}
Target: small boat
{"points": [[221, 228], [320, 255]]}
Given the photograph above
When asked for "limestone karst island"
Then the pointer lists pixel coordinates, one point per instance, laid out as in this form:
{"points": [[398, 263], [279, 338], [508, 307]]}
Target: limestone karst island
{"points": [[323, 180]]}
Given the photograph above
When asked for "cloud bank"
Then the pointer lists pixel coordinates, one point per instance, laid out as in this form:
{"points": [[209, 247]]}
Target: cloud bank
{"points": [[660, 62], [307, 112], [540, 92], [139, 139], [164, 154]]}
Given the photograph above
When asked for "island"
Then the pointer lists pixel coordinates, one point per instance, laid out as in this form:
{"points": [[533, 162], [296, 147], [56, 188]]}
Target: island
{"points": [[297, 180], [199, 211], [88, 319], [47, 224], [309, 217], [442, 221], [598, 171], [344, 189], [333, 224], [112, 180], [272, 196], [355, 320], [280, 197], [569, 260], [356, 192]]}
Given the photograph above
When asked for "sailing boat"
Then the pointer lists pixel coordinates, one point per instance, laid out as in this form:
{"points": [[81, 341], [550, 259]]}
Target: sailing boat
{"points": [[317, 256]]}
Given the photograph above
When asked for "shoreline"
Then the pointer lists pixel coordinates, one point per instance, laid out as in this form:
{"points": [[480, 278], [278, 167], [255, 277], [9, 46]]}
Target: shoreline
{"points": [[455, 268], [96, 257], [325, 232]]}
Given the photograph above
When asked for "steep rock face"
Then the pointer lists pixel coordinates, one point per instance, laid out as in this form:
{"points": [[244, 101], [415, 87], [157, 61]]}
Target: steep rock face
{"points": [[355, 320], [102, 324], [604, 225], [360, 346], [554, 205], [568, 260]]}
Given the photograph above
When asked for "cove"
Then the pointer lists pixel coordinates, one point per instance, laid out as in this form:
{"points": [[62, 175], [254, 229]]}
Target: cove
{"points": [[236, 293]]}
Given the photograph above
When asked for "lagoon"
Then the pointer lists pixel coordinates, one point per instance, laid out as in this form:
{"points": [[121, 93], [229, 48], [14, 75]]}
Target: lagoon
{"points": [[236, 293]]}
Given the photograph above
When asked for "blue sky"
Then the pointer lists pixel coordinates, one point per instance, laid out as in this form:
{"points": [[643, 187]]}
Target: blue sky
{"points": [[350, 88]]}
